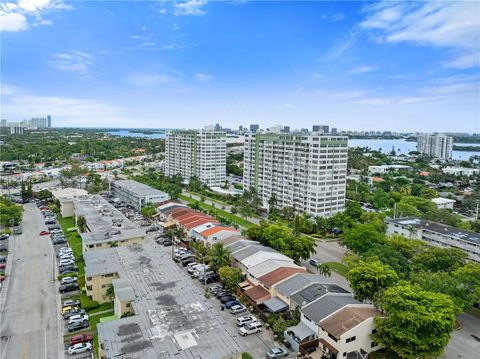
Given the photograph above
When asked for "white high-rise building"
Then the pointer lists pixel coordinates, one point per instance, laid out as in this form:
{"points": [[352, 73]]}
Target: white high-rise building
{"points": [[197, 153], [438, 146], [306, 171]]}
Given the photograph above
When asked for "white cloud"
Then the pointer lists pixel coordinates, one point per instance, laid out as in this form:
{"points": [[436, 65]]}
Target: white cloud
{"points": [[18, 16], [362, 69], [73, 61], [374, 101], [202, 77], [150, 79], [409, 100], [18, 104], [189, 7], [447, 24], [12, 22], [340, 47]]}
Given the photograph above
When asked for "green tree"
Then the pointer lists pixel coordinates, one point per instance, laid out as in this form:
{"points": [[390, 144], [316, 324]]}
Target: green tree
{"points": [[302, 223], [361, 237], [380, 199], [368, 278], [195, 184], [81, 224], [10, 213], [354, 210], [148, 211], [110, 292], [272, 204], [434, 259], [324, 269], [26, 191], [417, 324], [218, 256], [230, 277], [44, 194]]}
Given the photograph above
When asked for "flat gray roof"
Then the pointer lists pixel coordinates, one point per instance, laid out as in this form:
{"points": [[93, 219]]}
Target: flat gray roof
{"points": [[297, 282], [104, 220], [315, 291], [437, 227], [172, 316], [100, 262], [123, 289], [138, 188]]}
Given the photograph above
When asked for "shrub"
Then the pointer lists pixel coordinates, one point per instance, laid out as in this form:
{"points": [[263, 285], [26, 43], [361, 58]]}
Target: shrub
{"points": [[87, 303]]}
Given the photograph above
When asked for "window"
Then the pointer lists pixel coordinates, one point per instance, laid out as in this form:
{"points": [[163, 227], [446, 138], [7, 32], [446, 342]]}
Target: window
{"points": [[373, 344], [351, 339], [344, 354], [89, 287], [128, 305]]}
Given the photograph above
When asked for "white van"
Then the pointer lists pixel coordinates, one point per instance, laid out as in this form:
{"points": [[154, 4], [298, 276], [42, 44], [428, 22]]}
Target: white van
{"points": [[251, 328]]}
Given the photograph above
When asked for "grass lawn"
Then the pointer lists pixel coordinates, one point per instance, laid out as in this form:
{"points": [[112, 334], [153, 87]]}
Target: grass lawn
{"points": [[340, 268], [102, 307], [95, 319], [220, 212], [75, 242]]}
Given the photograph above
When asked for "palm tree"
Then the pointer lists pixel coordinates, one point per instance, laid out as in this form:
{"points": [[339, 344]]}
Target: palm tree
{"points": [[324, 269], [218, 256], [82, 224]]}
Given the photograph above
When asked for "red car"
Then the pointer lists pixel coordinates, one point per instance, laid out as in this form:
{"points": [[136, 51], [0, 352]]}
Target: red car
{"points": [[3, 265], [44, 233], [44, 208], [2, 278], [82, 338]]}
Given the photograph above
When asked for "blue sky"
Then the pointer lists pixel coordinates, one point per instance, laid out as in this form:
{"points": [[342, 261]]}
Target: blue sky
{"points": [[352, 65]]}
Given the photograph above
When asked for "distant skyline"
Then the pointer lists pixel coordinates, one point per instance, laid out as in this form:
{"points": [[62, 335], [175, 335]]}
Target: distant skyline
{"points": [[399, 66]]}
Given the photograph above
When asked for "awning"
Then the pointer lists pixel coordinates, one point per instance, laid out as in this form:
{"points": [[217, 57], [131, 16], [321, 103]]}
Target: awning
{"points": [[244, 284], [330, 347], [275, 305], [301, 331]]}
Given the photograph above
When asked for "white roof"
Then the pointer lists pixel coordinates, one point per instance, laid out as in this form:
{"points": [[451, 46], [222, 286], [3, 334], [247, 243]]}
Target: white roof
{"points": [[170, 204], [441, 200], [202, 227], [269, 265], [262, 256], [68, 192]]}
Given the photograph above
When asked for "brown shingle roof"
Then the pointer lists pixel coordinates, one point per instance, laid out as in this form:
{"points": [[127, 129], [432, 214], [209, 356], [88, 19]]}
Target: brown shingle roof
{"points": [[231, 240], [279, 274], [347, 318], [258, 294]]}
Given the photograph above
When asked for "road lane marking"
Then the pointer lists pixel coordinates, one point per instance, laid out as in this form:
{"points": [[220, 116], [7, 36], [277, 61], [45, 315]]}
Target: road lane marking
{"points": [[6, 345]]}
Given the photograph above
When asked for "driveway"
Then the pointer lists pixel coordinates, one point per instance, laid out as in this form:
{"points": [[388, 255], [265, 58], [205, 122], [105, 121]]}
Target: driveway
{"points": [[29, 324], [462, 345]]}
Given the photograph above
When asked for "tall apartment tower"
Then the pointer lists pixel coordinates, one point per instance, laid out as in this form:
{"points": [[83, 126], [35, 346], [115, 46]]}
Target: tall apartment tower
{"points": [[197, 153], [437, 146], [306, 171], [49, 121]]}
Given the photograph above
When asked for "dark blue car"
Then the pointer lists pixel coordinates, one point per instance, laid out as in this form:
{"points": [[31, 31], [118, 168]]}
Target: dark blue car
{"points": [[231, 303]]}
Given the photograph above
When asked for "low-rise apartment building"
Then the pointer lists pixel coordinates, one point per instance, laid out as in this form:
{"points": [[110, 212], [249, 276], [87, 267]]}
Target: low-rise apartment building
{"points": [[137, 194], [461, 171], [101, 268], [106, 226], [436, 234], [386, 168]]}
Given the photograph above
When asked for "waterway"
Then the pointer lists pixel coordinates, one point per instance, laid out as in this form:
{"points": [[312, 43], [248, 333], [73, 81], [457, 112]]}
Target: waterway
{"points": [[128, 133], [404, 147]]}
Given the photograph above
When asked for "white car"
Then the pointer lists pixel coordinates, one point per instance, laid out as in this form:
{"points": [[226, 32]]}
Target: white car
{"points": [[53, 231], [79, 348], [237, 309], [251, 328], [241, 321], [66, 256], [67, 280], [66, 262], [78, 318]]}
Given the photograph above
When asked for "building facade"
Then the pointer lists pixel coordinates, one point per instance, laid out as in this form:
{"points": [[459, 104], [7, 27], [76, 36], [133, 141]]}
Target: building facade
{"points": [[202, 154], [437, 146], [306, 171], [137, 194], [436, 234]]}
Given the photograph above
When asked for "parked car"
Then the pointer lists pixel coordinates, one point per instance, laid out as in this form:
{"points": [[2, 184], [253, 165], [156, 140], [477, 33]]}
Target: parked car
{"points": [[227, 298], [81, 338], [4, 236], [276, 353], [73, 312], [44, 233], [3, 265], [237, 309], [251, 328], [60, 240], [211, 278], [78, 326], [70, 302], [315, 262], [232, 303], [222, 293], [70, 287], [167, 243], [67, 269], [79, 348], [78, 318], [241, 321], [64, 250], [145, 224], [151, 229], [188, 260], [53, 226], [3, 259], [3, 247], [68, 309], [68, 280], [55, 231], [215, 288], [17, 230]]}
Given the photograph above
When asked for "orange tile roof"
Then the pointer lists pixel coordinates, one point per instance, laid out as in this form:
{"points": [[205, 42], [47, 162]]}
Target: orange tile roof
{"points": [[208, 232], [377, 179], [258, 294], [279, 274], [198, 223], [424, 173]]}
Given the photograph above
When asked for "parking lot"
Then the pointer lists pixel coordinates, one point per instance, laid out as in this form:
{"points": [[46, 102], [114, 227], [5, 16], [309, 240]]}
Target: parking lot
{"points": [[30, 326]]}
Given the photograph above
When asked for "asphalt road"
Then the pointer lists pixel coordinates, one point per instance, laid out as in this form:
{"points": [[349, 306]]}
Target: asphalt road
{"points": [[462, 345], [29, 315]]}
